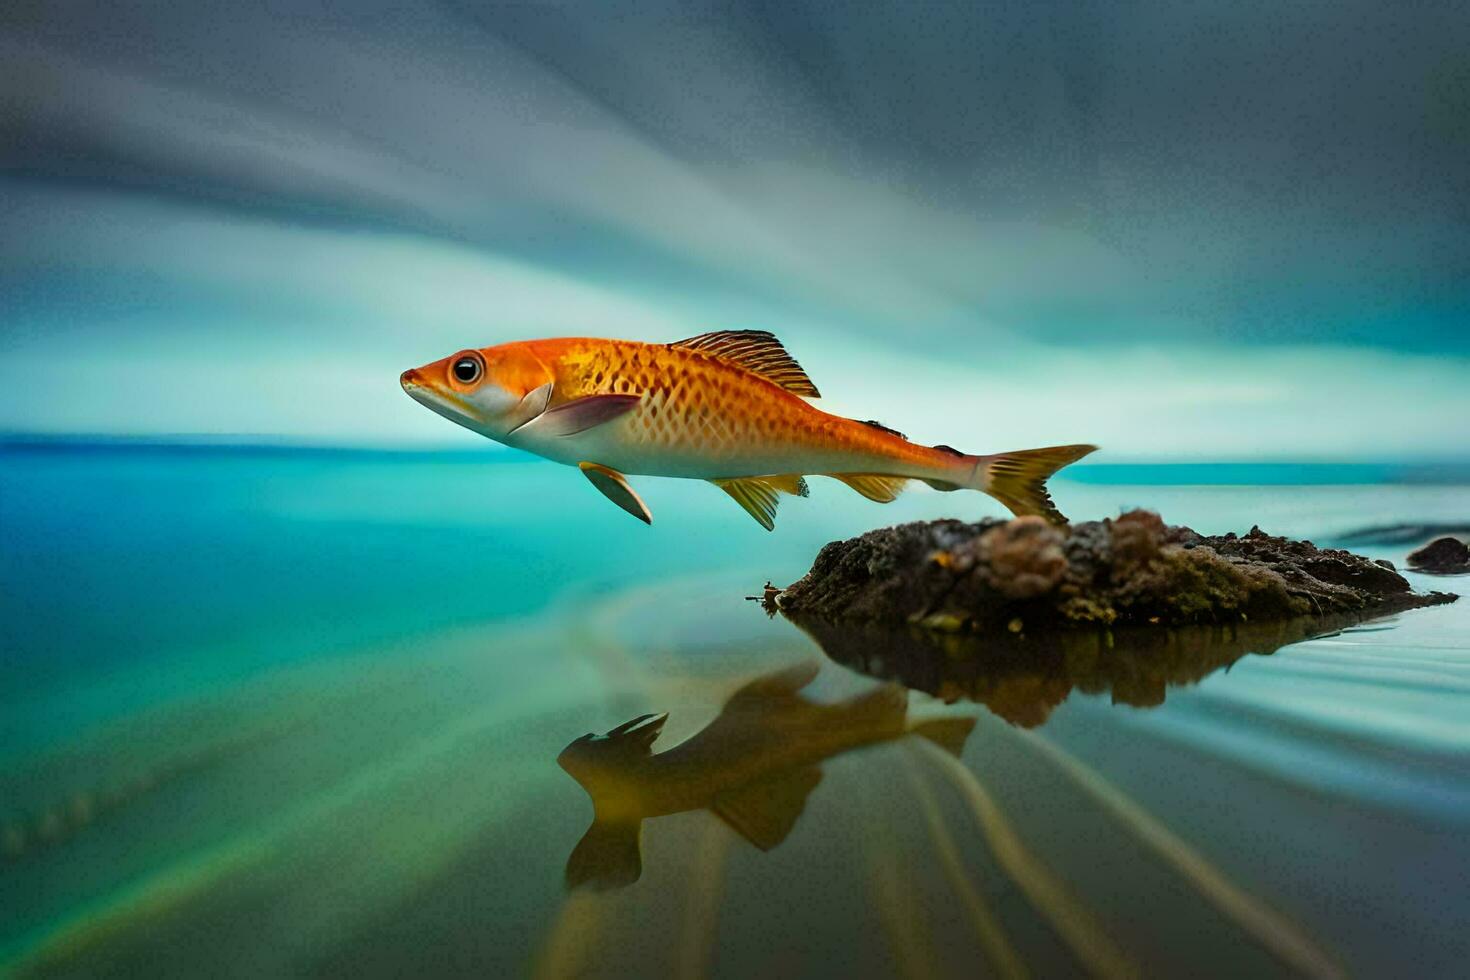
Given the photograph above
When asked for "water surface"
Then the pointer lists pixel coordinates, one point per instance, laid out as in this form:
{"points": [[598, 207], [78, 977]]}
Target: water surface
{"points": [[282, 712]]}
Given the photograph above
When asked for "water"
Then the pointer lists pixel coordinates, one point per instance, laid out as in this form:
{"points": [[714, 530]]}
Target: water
{"points": [[270, 712]]}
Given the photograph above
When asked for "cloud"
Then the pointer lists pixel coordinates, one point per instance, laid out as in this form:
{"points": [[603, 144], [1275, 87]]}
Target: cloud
{"points": [[196, 322], [1072, 173]]}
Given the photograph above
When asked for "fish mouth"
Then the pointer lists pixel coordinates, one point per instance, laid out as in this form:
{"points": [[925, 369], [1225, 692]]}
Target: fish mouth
{"points": [[443, 403], [419, 390], [425, 394]]}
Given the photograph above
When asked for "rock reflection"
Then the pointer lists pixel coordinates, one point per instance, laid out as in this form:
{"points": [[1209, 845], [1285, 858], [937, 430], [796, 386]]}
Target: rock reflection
{"points": [[753, 766], [1023, 678]]}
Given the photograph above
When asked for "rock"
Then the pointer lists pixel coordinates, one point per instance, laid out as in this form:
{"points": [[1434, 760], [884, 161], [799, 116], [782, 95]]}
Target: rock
{"points": [[1446, 556], [1402, 533], [1132, 570]]}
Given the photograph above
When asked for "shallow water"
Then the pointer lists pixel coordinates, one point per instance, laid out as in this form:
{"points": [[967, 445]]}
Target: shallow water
{"points": [[276, 712]]}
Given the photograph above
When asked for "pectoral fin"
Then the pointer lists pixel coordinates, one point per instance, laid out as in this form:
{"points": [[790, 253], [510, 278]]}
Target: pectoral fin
{"points": [[764, 812], [579, 415], [614, 487], [531, 406]]}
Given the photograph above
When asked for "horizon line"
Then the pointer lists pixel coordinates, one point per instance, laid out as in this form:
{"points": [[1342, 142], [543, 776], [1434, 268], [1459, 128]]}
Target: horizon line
{"points": [[1448, 469]]}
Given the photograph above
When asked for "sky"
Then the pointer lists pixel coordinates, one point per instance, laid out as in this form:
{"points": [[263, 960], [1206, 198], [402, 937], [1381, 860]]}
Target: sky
{"points": [[1204, 231]]}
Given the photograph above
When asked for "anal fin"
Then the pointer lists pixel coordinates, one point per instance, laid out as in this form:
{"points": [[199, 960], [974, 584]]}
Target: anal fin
{"points": [[764, 812], [874, 486], [777, 685], [949, 734], [614, 487], [792, 483], [886, 706], [759, 494]]}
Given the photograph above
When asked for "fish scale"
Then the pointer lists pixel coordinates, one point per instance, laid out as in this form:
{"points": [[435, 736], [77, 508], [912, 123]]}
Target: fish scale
{"points": [[687, 403]]}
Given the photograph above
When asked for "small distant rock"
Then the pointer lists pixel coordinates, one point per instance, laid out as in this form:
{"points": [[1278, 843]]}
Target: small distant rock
{"points": [[1446, 556], [1402, 533], [1135, 569]]}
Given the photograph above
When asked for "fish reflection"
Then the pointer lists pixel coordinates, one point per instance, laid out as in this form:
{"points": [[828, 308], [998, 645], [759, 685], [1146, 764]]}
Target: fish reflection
{"points": [[1023, 678], [753, 766]]}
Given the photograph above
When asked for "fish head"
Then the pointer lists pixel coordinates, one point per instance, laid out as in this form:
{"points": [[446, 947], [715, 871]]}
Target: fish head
{"points": [[587, 760], [489, 390], [605, 764]]}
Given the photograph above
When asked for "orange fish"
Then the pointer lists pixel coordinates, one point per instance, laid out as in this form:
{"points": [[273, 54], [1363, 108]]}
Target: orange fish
{"points": [[728, 407]]}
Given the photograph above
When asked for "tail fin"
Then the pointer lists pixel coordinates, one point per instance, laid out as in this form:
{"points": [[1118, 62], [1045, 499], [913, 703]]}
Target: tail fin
{"points": [[1018, 479]]}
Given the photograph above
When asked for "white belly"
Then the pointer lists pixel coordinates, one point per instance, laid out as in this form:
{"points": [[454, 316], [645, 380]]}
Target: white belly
{"points": [[616, 446]]}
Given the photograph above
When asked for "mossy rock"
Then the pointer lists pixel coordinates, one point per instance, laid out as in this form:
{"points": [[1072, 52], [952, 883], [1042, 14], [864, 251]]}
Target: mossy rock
{"points": [[1025, 575]]}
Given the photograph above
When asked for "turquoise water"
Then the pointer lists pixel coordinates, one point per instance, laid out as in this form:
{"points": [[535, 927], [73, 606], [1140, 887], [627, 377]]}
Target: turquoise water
{"points": [[268, 712]]}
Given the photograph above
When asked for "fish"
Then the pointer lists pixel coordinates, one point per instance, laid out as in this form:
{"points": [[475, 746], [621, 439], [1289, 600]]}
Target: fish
{"points": [[729, 407], [753, 766]]}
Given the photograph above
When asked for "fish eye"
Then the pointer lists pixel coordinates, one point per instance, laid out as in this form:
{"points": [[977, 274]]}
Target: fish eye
{"points": [[467, 369]]}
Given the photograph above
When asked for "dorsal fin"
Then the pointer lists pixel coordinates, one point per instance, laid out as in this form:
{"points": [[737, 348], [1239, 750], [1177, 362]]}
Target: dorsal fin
{"points": [[757, 351], [870, 423], [638, 735]]}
